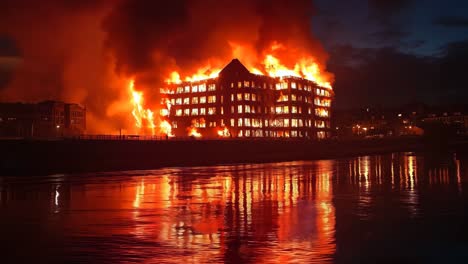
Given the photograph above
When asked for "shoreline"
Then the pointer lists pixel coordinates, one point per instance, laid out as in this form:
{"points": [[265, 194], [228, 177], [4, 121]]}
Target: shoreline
{"points": [[42, 157]]}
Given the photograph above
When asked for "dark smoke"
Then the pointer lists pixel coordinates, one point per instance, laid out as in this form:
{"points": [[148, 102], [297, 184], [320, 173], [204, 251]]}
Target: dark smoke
{"points": [[81, 51]]}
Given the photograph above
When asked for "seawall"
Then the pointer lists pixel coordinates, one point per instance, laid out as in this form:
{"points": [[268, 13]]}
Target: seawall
{"points": [[39, 157]]}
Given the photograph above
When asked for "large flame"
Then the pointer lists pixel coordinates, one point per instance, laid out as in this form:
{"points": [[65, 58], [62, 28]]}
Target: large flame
{"points": [[271, 65], [142, 116]]}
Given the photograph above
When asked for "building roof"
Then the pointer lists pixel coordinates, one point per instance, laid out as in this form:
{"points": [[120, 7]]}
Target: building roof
{"points": [[234, 68]]}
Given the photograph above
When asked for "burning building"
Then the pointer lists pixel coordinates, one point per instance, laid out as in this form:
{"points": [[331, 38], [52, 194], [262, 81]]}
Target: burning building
{"points": [[241, 104]]}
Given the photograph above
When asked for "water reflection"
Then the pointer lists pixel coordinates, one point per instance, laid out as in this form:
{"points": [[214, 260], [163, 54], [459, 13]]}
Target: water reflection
{"points": [[305, 212]]}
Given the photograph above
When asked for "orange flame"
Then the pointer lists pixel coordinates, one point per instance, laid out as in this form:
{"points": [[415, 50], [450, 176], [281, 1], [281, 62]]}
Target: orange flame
{"points": [[224, 132], [140, 114], [305, 67]]}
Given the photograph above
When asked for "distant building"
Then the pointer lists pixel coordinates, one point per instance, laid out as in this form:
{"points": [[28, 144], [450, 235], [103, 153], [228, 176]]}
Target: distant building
{"points": [[44, 119], [241, 104]]}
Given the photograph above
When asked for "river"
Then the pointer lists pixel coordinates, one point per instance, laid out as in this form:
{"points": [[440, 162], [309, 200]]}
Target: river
{"points": [[400, 207]]}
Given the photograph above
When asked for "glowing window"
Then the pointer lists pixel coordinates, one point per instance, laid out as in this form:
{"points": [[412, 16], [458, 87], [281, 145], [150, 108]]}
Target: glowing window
{"points": [[232, 97], [278, 110], [232, 85], [194, 100], [187, 100], [294, 123], [203, 100], [178, 101], [293, 97], [247, 96], [239, 109], [246, 84], [202, 88], [239, 97], [222, 110], [294, 109], [186, 112], [212, 99], [285, 109], [300, 86], [247, 122], [187, 89], [239, 84], [239, 122], [293, 133], [211, 110], [180, 90], [232, 109], [301, 123], [247, 133], [194, 88], [211, 87], [202, 111], [178, 112], [293, 85], [195, 111], [286, 122], [172, 101], [254, 97], [233, 122], [247, 108]]}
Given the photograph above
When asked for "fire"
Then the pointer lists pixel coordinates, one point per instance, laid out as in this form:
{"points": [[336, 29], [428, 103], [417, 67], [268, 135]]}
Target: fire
{"points": [[166, 128], [140, 114], [224, 132], [305, 66], [194, 133]]}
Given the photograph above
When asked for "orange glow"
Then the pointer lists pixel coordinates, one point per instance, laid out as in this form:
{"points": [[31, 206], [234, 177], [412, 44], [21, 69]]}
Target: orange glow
{"points": [[166, 128], [144, 118], [193, 132], [224, 132], [305, 67]]}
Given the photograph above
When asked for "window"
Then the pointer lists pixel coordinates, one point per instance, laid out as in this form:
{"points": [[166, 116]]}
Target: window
{"points": [[239, 122], [247, 133], [247, 122], [187, 89], [247, 96], [186, 100], [293, 97], [202, 88], [278, 110], [195, 111], [286, 109], [194, 100], [233, 122], [186, 112], [211, 110], [239, 97], [178, 101], [247, 108], [202, 111], [232, 85], [232, 109], [211, 87], [293, 85], [294, 109], [194, 88], [180, 90], [232, 97], [293, 133], [203, 100], [172, 101], [239, 84], [222, 110], [246, 84], [239, 109], [294, 123], [178, 112], [300, 86], [212, 99], [254, 97], [286, 122]]}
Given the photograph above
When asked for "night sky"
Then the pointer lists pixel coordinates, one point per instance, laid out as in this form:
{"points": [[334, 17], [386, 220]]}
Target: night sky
{"points": [[382, 52]]}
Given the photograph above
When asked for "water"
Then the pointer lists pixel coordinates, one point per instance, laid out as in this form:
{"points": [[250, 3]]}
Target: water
{"points": [[375, 209]]}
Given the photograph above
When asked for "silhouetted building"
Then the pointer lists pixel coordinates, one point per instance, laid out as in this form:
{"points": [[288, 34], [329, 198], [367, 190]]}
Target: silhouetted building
{"points": [[240, 104], [44, 119]]}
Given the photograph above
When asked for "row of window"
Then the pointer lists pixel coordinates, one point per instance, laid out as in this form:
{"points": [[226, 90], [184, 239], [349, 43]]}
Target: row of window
{"points": [[322, 112], [278, 86], [195, 100], [323, 102], [196, 111], [277, 122], [200, 88]]}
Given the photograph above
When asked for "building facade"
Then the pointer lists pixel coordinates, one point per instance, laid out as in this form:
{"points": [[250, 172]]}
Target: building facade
{"points": [[239, 104], [44, 119]]}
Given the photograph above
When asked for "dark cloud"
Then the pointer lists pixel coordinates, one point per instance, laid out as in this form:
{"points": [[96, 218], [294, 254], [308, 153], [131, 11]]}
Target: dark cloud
{"points": [[388, 35], [452, 22], [386, 8], [387, 76]]}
